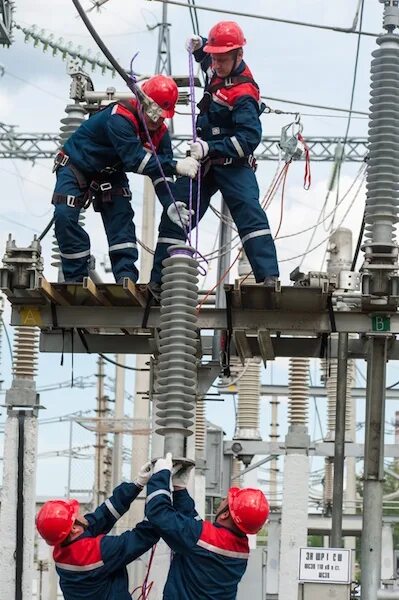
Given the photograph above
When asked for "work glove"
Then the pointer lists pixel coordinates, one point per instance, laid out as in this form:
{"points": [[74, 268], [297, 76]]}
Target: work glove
{"points": [[199, 149], [193, 43], [187, 166], [179, 214], [181, 475], [164, 463], [144, 475]]}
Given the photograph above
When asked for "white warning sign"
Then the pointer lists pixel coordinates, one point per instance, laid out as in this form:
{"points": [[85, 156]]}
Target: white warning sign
{"points": [[325, 565]]}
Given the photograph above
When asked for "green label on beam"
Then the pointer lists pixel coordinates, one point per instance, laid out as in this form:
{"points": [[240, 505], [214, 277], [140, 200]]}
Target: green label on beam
{"points": [[381, 323]]}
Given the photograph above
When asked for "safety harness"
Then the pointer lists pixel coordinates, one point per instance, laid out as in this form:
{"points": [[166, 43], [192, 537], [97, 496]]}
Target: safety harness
{"points": [[216, 84], [98, 189]]}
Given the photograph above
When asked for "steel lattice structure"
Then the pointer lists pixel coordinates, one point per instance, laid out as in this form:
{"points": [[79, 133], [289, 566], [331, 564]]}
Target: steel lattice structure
{"points": [[33, 146]]}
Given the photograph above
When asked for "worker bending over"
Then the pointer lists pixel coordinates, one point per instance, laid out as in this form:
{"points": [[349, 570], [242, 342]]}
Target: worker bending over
{"points": [[92, 565], [92, 165], [229, 130], [209, 560]]}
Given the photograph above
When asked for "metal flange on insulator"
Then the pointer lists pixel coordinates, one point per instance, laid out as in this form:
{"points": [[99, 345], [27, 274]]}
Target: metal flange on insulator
{"points": [[177, 365]]}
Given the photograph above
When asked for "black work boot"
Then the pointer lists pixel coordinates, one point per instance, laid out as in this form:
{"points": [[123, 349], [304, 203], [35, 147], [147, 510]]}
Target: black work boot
{"points": [[270, 281], [155, 289]]}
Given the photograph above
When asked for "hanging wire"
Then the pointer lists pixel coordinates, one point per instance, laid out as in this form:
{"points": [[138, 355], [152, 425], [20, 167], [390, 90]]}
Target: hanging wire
{"points": [[355, 72], [273, 19]]}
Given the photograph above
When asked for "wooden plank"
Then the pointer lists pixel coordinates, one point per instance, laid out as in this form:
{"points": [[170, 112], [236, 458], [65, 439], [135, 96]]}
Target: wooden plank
{"points": [[95, 293], [132, 290], [265, 345], [47, 290], [242, 345]]}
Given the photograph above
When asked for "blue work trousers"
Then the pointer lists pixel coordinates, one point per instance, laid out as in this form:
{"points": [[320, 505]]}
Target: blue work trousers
{"points": [[117, 216], [240, 191]]}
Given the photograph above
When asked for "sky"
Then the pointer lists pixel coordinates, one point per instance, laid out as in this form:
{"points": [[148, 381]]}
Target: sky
{"points": [[289, 62]]}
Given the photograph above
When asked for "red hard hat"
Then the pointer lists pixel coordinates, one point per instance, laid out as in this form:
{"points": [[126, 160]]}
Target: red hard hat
{"points": [[223, 37], [55, 520], [249, 509], [163, 90]]}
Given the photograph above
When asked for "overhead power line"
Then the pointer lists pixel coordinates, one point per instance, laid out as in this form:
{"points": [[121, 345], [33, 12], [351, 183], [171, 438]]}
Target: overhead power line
{"points": [[334, 108], [273, 19], [47, 40]]}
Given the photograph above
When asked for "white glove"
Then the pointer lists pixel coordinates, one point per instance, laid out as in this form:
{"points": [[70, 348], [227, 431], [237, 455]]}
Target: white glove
{"points": [[187, 166], [199, 150], [164, 463], [179, 214], [193, 43], [181, 475], [144, 475]]}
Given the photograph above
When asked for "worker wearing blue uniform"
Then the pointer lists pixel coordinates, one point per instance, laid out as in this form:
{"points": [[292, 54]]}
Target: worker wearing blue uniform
{"points": [[92, 565], [92, 165], [229, 130], [209, 560]]}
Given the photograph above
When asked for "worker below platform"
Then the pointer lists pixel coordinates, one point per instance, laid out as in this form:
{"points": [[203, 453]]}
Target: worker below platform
{"points": [[90, 564], [92, 166], [209, 560], [229, 130]]}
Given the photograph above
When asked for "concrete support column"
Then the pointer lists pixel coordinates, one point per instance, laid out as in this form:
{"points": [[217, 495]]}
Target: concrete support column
{"points": [[294, 522], [9, 586]]}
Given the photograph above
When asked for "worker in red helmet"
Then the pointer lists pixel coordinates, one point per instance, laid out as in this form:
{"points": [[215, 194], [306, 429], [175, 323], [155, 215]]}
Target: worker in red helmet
{"points": [[92, 565], [91, 168], [209, 559], [229, 131]]}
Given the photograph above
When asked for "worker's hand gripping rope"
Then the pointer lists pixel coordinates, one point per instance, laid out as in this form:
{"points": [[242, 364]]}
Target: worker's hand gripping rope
{"points": [[199, 149], [193, 43], [179, 214], [187, 167]]}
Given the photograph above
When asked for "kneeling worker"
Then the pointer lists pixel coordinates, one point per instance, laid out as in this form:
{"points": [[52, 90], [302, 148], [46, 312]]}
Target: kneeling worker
{"points": [[92, 565], [209, 559]]}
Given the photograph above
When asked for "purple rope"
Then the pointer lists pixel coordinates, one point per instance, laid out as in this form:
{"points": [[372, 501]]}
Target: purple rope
{"points": [[133, 87], [194, 130]]}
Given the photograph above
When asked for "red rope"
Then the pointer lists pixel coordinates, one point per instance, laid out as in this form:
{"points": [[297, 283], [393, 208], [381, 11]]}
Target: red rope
{"points": [[146, 587]]}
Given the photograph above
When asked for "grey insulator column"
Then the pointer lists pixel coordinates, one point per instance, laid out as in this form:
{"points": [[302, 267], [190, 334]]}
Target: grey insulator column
{"points": [[381, 213], [75, 117], [177, 368]]}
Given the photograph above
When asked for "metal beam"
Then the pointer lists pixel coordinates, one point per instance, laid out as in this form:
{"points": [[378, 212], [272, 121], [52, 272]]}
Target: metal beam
{"points": [[260, 448], [317, 391], [32, 146], [121, 317]]}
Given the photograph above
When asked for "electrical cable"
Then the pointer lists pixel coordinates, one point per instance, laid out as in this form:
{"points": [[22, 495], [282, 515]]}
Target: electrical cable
{"points": [[358, 244], [239, 376], [114, 362], [321, 106], [8, 340], [46, 229], [273, 19], [320, 220], [328, 237], [355, 71]]}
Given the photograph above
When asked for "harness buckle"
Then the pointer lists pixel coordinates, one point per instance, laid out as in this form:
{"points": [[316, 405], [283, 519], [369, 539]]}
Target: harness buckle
{"points": [[64, 160], [70, 201], [126, 192], [105, 187], [228, 161]]}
